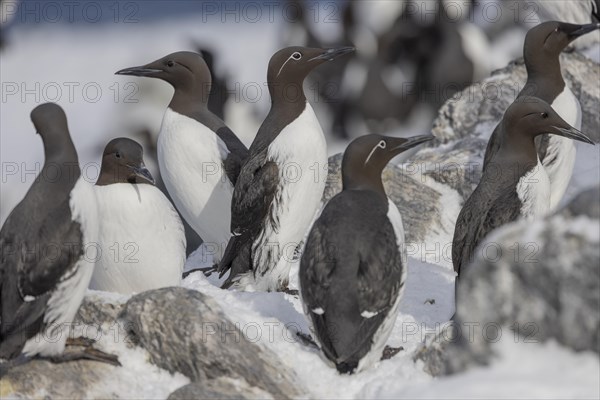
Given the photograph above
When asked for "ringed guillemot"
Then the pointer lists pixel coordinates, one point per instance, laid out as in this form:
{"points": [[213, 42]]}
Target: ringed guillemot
{"points": [[280, 186], [141, 236], [199, 157], [47, 246], [351, 285], [515, 184], [541, 53]]}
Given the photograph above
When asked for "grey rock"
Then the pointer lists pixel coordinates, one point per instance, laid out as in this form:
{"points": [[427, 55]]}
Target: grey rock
{"points": [[220, 388], [97, 310], [76, 379], [185, 331], [476, 110], [457, 164], [547, 287], [418, 204], [182, 330], [43, 379], [585, 203]]}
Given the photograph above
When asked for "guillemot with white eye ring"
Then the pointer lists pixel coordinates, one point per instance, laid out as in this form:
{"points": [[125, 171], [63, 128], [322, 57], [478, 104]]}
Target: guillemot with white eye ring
{"points": [[353, 268], [280, 186]]}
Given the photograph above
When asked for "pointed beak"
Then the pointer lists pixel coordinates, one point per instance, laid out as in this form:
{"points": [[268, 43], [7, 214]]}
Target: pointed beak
{"points": [[149, 70], [411, 142], [571, 133], [331, 54], [583, 30], [140, 174]]}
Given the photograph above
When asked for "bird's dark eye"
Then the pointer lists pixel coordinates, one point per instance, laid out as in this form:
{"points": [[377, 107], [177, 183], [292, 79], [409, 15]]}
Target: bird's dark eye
{"points": [[118, 155], [296, 56], [544, 115], [170, 63]]}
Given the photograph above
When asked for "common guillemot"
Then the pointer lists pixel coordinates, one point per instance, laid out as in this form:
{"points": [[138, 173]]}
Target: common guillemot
{"points": [[541, 53], [198, 155], [141, 236], [48, 252], [515, 184], [351, 284], [281, 184]]}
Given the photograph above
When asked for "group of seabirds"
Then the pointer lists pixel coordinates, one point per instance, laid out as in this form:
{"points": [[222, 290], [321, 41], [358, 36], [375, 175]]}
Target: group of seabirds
{"points": [[353, 265]]}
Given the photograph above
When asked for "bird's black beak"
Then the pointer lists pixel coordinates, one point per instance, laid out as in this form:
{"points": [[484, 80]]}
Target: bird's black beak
{"points": [[404, 144], [140, 174], [331, 54], [583, 29], [571, 133], [148, 70]]}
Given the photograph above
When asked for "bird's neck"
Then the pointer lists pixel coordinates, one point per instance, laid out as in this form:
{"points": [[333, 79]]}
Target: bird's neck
{"points": [[517, 150], [286, 94], [190, 100], [363, 181], [543, 73], [61, 165]]}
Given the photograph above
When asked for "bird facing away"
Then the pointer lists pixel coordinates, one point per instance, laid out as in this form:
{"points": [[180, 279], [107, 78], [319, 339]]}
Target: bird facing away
{"points": [[541, 52], [515, 184], [281, 184], [141, 236], [353, 267], [198, 155], [47, 251]]}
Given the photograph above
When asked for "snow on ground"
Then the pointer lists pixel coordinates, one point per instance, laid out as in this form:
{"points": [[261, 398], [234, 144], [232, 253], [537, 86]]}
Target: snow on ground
{"points": [[523, 370], [137, 378], [273, 318]]}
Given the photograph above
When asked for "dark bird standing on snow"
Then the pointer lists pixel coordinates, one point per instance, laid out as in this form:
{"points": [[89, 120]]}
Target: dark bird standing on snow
{"points": [[281, 184], [515, 184], [198, 155], [45, 250], [353, 268], [541, 52]]}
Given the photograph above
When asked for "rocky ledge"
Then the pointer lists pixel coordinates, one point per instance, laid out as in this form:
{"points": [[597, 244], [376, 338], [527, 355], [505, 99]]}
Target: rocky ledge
{"points": [[539, 280], [179, 331]]}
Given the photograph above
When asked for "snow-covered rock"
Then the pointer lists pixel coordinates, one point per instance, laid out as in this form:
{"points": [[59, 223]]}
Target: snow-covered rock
{"points": [[535, 281], [186, 331], [219, 389], [96, 319], [164, 338]]}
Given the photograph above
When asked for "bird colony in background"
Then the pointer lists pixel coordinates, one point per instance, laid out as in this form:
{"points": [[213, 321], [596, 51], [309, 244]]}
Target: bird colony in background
{"points": [[241, 202]]}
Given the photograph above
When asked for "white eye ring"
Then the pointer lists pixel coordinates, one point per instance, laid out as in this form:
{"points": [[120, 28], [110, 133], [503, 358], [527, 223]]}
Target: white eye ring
{"points": [[296, 56], [382, 144]]}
